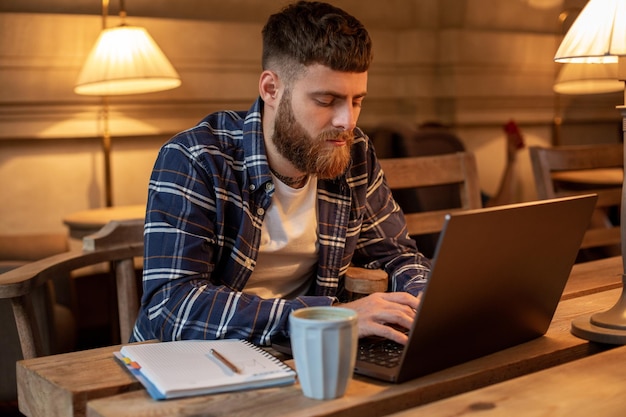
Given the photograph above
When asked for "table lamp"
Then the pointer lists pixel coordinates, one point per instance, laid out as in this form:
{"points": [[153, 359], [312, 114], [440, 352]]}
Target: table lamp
{"points": [[598, 36], [124, 60]]}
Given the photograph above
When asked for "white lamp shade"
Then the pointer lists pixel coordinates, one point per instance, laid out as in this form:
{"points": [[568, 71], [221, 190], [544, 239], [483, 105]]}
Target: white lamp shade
{"points": [[588, 79], [126, 60], [597, 36]]}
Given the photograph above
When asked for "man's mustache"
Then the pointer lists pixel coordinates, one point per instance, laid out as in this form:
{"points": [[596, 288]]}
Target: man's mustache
{"points": [[336, 134]]}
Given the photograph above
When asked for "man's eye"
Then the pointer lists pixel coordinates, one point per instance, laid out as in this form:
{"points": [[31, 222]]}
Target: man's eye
{"points": [[324, 103]]}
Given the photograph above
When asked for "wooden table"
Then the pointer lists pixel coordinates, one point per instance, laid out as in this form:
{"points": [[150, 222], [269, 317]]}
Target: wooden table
{"points": [[82, 223], [607, 177], [92, 383], [591, 277], [593, 386]]}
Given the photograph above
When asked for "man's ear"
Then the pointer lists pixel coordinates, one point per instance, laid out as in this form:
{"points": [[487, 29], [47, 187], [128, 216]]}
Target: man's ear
{"points": [[268, 88]]}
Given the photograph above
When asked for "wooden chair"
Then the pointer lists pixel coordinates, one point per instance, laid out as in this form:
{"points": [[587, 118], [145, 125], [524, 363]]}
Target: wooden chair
{"points": [[551, 166], [52, 302], [51, 305], [401, 140], [457, 169], [118, 243], [410, 174]]}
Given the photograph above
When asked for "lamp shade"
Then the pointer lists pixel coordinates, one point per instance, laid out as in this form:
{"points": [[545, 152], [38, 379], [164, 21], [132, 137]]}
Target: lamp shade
{"points": [[587, 79], [597, 36], [126, 60]]}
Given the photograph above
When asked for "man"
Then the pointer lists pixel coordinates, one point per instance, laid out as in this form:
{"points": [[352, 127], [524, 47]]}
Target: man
{"points": [[254, 214]]}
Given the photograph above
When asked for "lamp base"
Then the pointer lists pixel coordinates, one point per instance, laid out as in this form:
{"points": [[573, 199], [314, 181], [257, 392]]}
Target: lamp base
{"points": [[584, 328], [606, 327]]}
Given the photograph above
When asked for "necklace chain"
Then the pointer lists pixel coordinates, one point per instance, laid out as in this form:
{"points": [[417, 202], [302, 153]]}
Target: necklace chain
{"points": [[290, 181]]}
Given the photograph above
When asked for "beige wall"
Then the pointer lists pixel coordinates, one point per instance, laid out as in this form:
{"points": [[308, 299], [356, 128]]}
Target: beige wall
{"points": [[474, 64]]}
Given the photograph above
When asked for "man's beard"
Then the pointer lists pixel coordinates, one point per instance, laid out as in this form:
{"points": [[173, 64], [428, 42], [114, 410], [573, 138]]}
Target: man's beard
{"points": [[310, 155]]}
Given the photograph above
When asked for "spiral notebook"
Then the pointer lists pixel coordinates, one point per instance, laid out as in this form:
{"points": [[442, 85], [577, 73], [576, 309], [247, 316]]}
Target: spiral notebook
{"points": [[194, 367]]}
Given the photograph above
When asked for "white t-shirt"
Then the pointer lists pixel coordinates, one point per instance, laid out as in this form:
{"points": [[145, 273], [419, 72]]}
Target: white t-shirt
{"points": [[288, 253]]}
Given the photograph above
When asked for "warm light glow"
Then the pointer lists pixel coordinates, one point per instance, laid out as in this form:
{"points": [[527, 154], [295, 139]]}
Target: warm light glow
{"points": [[597, 36], [126, 60], [544, 4], [588, 79]]}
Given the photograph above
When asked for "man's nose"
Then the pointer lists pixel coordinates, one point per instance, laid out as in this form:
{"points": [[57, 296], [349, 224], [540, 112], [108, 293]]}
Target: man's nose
{"points": [[346, 118]]}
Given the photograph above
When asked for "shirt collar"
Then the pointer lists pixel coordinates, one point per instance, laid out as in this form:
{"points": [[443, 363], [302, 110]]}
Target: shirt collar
{"points": [[254, 146]]}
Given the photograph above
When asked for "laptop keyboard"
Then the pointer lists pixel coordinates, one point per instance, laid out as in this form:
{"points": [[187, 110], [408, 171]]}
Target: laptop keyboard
{"points": [[382, 352]]}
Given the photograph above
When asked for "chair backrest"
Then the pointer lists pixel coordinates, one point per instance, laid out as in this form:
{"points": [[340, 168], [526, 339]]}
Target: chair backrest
{"points": [[117, 243], [458, 169], [550, 165], [402, 140]]}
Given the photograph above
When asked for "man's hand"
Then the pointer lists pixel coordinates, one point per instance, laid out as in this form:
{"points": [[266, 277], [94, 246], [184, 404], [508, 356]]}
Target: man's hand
{"points": [[380, 312]]}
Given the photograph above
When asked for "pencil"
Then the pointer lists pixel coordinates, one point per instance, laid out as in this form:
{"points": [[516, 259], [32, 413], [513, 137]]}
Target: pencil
{"points": [[224, 361]]}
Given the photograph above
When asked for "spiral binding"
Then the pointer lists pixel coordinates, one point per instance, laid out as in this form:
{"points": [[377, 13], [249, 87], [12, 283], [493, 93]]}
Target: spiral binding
{"points": [[268, 355]]}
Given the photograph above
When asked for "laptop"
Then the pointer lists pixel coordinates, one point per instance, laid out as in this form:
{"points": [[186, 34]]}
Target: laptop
{"points": [[497, 277]]}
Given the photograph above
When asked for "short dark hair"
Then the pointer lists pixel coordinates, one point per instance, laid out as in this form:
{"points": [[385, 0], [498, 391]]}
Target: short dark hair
{"points": [[310, 32]]}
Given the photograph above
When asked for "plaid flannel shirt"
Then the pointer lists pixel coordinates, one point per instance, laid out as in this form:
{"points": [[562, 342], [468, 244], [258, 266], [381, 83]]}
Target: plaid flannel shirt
{"points": [[208, 194]]}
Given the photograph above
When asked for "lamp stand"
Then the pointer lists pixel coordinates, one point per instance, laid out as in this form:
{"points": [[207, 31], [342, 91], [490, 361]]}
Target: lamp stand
{"points": [[106, 150], [106, 133], [610, 326]]}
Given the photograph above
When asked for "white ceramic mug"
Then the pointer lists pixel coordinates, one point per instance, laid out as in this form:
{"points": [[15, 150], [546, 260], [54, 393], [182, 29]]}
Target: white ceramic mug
{"points": [[324, 345]]}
